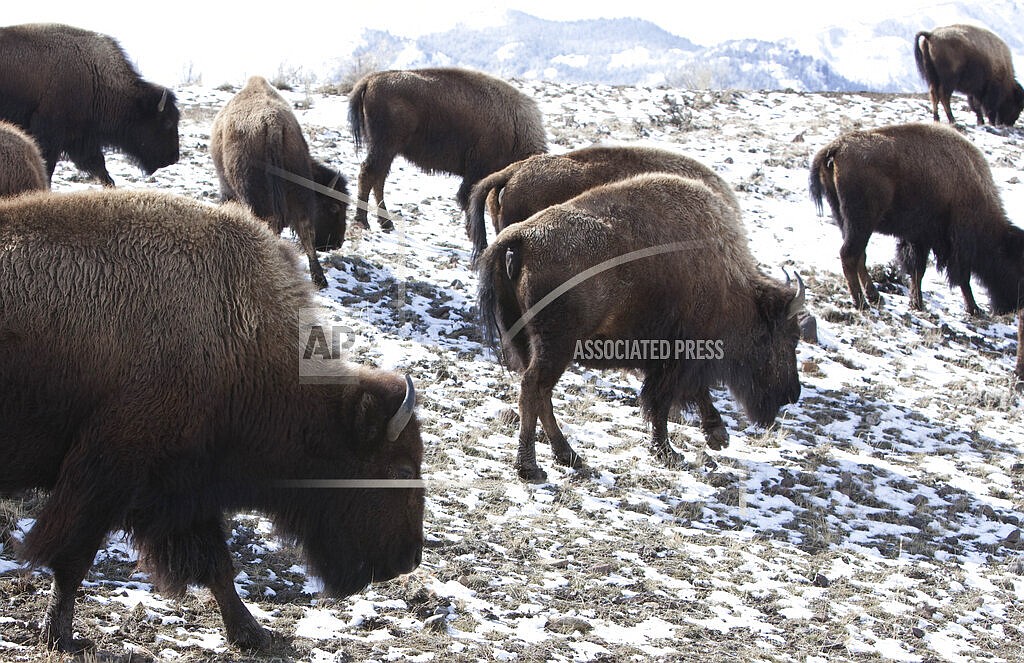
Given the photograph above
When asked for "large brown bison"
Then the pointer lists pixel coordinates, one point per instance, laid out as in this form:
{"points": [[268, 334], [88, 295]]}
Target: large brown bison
{"points": [[442, 120], [149, 381], [651, 273], [76, 93], [528, 186], [21, 166], [262, 161], [932, 189], [972, 60]]}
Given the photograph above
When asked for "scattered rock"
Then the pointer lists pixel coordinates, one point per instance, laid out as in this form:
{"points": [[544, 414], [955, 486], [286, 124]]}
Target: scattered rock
{"points": [[568, 625]]}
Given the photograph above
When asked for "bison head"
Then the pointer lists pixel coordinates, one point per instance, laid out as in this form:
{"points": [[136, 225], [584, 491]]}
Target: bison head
{"points": [[356, 529], [765, 377], [151, 133], [1012, 105], [329, 224]]}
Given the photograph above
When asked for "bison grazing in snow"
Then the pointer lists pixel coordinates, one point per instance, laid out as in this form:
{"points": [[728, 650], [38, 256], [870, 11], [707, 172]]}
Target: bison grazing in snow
{"points": [[76, 93], [972, 60], [442, 120], [930, 187], [526, 187], [651, 273], [149, 381], [21, 166], [262, 161]]}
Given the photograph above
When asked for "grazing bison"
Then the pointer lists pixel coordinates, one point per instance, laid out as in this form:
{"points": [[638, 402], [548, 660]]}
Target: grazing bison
{"points": [[149, 381], [447, 120], [526, 187], [972, 60], [76, 93], [931, 188], [651, 273], [21, 166], [262, 161]]}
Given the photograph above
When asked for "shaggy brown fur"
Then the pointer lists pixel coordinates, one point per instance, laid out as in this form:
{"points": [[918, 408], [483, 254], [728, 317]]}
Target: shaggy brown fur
{"points": [[442, 120], [76, 93], [528, 186], [930, 187], [706, 287], [257, 129], [972, 60], [21, 166], [148, 380]]}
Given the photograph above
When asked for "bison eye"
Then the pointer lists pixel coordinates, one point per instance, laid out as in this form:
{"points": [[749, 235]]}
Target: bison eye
{"points": [[403, 471]]}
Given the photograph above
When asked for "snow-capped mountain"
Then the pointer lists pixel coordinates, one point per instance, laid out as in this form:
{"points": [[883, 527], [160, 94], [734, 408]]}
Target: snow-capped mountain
{"points": [[876, 55]]}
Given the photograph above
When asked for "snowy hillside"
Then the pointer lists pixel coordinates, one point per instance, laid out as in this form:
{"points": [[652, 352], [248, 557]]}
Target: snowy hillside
{"points": [[870, 55], [879, 520]]}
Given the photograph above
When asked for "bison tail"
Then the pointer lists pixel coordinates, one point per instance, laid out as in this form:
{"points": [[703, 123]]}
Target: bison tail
{"points": [[923, 58], [500, 311], [821, 177], [356, 115], [476, 227]]}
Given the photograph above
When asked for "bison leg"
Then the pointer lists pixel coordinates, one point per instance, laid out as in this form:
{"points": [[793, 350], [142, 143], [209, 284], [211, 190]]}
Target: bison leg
{"points": [[58, 622], [933, 92], [93, 163], [975, 106], [658, 415], [945, 96], [970, 304], [563, 453], [538, 382], [913, 258], [853, 256], [316, 271], [715, 434], [372, 174]]}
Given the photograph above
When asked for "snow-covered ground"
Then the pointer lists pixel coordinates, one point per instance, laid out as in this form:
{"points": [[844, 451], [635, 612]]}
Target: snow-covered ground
{"points": [[880, 519]]}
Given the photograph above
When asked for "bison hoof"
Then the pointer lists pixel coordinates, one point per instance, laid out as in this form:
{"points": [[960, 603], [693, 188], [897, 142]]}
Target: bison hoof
{"points": [[532, 474], [569, 459], [671, 458], [252, 637], [717, 438], [66, 644], [386, 224]]}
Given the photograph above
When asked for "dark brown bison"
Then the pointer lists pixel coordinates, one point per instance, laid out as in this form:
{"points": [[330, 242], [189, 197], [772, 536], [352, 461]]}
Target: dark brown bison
{"points": [[149, 381], [651, 273], [442, 120], [21, 166], [76, 93], [528, 186], [262, 161], [931, 188], [972, 60]]}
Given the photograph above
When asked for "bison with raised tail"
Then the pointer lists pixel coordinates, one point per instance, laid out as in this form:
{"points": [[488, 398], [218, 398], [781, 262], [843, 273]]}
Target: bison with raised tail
{"points": [[442, 120], [932, 189], [651, 273], [526, 187], [262, 161], [76, 93], [21, 166], [149, 380], [972, 60]]}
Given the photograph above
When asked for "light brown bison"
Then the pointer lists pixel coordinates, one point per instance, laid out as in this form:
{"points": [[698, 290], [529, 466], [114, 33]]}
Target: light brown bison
{"points": [[21, 166], [651, 273], [528, 186], [262, 161], [972, 60], [76, 93], [149, 381], [442, 120], [932, 189]]}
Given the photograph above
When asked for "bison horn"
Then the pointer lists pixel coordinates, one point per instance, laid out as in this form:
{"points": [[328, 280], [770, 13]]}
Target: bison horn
{"points": [[400, 420], [163, 102], [334, 181], [799, 299]]}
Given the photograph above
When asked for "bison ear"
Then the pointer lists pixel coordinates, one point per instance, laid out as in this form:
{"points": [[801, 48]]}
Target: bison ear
{"points": [[370, 421]]}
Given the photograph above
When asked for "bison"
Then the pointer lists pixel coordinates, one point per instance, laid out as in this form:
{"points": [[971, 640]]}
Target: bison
{"points": [[972, 60], [262, 161], [932, 189], [76, 93], [655, 268], [442, 120], [526, 187], [21, 166], [149, 381]]}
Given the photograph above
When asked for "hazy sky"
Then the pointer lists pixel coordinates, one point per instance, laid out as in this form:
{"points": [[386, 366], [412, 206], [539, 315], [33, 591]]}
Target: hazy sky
{"points": [[226, 44]]}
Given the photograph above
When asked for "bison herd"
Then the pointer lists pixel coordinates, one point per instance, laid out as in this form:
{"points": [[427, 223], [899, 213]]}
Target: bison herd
{"points": [[180, 398]]}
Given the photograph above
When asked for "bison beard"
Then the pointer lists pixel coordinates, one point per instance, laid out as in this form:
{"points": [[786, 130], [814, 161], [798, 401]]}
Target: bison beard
{"points": [[148, 380], [709, 288]]}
